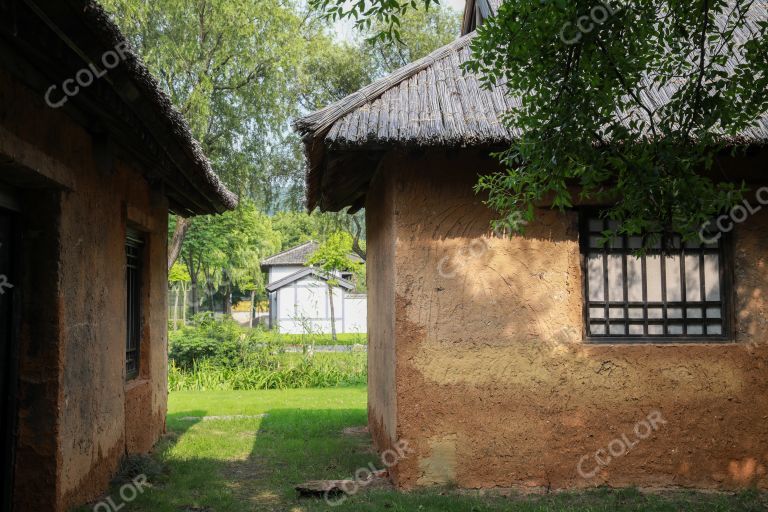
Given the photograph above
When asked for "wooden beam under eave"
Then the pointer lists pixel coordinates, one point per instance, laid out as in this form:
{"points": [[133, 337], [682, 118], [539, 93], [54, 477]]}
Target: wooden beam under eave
{"points": [[346, 178]]}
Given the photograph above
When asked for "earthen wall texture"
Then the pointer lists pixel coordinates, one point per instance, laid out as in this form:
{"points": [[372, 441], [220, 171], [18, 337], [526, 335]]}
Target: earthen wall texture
{"points": [[493, 389], [382, 404], [78, 417]]}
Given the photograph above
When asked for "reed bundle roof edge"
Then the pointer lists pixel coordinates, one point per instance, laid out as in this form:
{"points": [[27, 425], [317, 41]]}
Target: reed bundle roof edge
{"points": [[432, 102]]}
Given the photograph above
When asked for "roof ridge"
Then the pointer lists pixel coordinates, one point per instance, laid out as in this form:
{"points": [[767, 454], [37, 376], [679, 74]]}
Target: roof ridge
{"points": [[286, 251], [323, 119]]}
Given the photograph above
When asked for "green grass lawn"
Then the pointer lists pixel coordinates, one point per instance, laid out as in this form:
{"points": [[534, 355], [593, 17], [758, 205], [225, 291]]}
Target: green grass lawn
{"points": [[342, 338], [252, 464]]}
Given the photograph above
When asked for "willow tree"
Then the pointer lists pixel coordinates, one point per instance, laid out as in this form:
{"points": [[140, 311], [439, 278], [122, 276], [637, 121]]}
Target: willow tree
{"points": [[628, 104], [229, 67]]}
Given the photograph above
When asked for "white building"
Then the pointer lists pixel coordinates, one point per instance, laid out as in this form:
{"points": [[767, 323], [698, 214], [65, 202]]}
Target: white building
{"points": [[299, 300]]}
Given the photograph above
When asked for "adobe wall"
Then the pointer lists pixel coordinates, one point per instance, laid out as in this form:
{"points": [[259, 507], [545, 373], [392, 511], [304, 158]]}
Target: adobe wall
{"points": [[88, 417], [492, 390], [382, 413]]}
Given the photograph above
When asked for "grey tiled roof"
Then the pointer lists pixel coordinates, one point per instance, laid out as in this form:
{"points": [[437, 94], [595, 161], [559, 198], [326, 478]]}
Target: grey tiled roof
{"points": [[298, 255]]}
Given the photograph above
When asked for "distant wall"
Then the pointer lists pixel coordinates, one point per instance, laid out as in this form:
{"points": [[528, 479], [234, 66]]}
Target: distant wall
{"points": [[304, 307], [489, 391], [355, 313], [279, 272], [77, 415]]}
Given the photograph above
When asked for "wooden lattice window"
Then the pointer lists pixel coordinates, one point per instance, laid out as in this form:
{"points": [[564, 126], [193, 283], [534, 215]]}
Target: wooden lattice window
{"points": [[676, 291], [134, 249]]}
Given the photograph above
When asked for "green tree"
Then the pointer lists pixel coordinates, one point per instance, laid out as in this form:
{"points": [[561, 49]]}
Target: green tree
{"points": [[299, 227], [653, 160], [421, 32], [229, 67], [179, 278], [226, 66], [248, 237], [331, 71], [588, 124], [332, 257], [226, 251], [295, 228]]}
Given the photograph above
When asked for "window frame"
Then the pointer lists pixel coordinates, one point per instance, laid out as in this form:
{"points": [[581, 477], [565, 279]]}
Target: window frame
{"points": [[725, 252], [134, 240]]}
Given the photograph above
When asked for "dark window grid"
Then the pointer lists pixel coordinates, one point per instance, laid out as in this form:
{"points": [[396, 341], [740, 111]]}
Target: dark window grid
{"points": [[133, 316], [664, 250]]}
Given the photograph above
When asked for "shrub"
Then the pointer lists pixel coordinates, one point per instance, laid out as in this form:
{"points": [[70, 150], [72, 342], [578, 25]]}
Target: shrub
{"points": [[308, 372], [218, 354], [221, 340]]}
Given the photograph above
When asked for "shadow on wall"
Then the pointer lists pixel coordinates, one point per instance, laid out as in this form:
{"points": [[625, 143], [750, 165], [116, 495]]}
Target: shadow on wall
{"points": [[493, 370]]}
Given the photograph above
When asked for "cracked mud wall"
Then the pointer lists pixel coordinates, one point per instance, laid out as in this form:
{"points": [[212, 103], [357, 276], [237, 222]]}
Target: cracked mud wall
{"points": [[77, 415], [494, 389]]}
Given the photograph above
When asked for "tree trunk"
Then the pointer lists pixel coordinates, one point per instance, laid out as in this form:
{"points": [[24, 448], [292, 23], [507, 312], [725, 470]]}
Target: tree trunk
{"points": [[253, 308], [333, 313], [228, 299], [211, 293], [176, 309], [184, 310], [179, 233], [356, 247], [195, 301]]}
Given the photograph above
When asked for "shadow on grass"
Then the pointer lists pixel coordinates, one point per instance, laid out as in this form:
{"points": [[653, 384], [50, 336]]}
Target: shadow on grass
{"points": [[252, 464]]}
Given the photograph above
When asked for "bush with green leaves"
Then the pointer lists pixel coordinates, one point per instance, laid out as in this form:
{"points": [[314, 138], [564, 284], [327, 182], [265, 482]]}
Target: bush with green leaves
{"points": [[206, 338], [218, 354], [303, 371], [220, 341]]}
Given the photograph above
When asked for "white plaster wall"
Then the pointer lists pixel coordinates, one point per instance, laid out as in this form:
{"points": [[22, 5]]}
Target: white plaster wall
{"points": [[304, 307], [355, 313], [277, 273]]}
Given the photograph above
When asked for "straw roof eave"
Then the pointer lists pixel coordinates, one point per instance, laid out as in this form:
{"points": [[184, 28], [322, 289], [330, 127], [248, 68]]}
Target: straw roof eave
{"points": [[430, 103]]}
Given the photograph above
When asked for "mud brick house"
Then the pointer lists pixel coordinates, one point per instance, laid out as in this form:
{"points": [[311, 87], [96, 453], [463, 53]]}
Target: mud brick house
{"points": [[92, 159], [523, 360]]}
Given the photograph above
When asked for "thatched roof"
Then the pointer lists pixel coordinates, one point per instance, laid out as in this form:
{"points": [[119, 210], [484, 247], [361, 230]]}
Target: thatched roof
{"points": [[198, 168], [51, 38], [428, 103]]}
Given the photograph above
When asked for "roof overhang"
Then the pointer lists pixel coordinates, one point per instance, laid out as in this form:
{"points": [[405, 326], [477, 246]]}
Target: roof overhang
{"points": [[44, 42], [429, 104], [305, 272]]}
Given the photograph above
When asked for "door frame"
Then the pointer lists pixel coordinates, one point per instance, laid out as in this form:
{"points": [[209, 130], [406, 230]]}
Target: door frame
{"points": [[8, 403]]}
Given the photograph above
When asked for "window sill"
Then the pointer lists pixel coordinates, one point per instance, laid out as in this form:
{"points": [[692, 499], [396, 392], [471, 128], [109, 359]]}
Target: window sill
{"points": [[660, 341], [136, 383]]}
